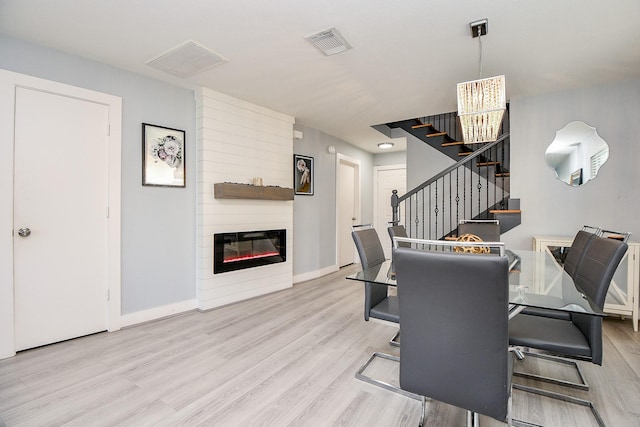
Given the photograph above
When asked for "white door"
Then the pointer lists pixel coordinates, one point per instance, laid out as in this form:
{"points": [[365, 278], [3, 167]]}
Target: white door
{"points": [[387, 179], [348, 209], [61, 199]]}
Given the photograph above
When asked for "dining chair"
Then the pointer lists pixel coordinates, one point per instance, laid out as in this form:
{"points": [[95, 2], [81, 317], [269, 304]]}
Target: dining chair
{"points": [[580, 244], [399, 231], [486, 229], [580, 337], [572, 263], [454, 327], [378, 304]]}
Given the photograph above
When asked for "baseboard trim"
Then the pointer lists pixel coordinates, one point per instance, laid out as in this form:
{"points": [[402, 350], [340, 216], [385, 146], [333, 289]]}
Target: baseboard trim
{"points": [[157, 313], [315, 274]]}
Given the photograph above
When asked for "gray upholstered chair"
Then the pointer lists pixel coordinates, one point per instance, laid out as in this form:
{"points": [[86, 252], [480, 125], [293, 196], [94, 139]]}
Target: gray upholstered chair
{"points": [[580, 337], [398, 231], [572, 264], [378, 304], [377, 301], [580, 244], [486, 229], [444, 294]]}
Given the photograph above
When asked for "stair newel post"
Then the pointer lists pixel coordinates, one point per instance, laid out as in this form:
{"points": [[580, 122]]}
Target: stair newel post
{"points": [[394, 207]]}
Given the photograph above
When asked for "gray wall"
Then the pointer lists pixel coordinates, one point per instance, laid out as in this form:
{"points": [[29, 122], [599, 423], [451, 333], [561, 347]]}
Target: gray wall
{"points": [[612, 199], [386, 159], [423, 161], [314, 217], [158, 224]]}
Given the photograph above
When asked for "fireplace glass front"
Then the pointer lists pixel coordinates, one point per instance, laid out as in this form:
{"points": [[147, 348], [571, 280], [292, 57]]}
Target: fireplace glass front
{"points": [[236, 251]]}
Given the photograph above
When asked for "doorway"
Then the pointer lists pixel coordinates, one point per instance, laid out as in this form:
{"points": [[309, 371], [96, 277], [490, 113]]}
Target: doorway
{"points": [[347, 207], [64, 209], [387, 179]]}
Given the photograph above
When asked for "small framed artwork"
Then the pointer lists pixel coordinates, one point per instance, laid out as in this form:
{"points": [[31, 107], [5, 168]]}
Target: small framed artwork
{"points": [[163, 156], [303, 175]]}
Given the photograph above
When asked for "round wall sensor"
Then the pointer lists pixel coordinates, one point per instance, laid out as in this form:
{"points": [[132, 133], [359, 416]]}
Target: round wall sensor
{"points": [[331, 149]]}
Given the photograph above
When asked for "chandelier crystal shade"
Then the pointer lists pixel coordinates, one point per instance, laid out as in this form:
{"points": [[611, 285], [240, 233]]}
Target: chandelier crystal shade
{"points": [[481, 106]]}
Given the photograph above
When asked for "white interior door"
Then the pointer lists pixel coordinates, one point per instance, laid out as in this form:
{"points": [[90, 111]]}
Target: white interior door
{"points": [[61, 198], [348, 209], [387, 179]]}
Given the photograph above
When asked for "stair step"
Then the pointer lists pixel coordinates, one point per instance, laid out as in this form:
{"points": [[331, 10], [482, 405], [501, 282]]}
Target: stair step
{"points": [[503, 175], [424, 125], [453, 143], [465, 153], [505, 211], [487, 163], [431, 135]]}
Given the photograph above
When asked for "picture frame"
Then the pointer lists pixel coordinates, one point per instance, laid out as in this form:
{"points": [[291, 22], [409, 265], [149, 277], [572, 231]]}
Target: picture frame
{"points": [[163, 156], [303, 180]]}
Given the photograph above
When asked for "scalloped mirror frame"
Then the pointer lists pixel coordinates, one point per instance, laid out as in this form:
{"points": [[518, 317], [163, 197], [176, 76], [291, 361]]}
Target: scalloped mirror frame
{"points": [[576, 153]]}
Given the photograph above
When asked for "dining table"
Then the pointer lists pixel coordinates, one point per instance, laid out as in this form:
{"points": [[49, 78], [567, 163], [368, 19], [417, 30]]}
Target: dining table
{"points": [[535, 280]]}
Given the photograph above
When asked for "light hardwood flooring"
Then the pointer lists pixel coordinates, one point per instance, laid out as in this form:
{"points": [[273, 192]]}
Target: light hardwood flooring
{"points": [[284, 359]]}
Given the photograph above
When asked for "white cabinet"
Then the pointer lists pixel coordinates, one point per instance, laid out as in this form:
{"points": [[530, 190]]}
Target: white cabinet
{"points": [[622, 298]]}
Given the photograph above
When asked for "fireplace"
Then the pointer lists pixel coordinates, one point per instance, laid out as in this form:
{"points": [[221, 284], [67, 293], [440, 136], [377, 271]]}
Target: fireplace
{"points": [[236, 251]]}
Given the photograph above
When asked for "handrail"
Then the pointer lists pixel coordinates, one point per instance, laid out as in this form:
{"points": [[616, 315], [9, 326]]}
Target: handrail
{"points": [[452, 167]]}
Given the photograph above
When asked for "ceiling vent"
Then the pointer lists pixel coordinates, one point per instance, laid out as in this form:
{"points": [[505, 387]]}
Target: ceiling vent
{"points": [[186, 60], [329, 41]]}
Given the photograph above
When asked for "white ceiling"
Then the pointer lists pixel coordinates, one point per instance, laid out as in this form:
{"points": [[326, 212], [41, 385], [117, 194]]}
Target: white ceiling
{"points": [[406, 60]]}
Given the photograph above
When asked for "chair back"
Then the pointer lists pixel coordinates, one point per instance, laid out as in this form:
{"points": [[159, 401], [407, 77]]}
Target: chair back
{"points": [[488, 230], [371, 253], [594, 276], [398, 231], [454, 328], [579, 247]]}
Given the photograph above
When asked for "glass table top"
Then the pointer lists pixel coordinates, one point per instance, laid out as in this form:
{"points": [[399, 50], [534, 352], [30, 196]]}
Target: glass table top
{"points": [[535, 280]]}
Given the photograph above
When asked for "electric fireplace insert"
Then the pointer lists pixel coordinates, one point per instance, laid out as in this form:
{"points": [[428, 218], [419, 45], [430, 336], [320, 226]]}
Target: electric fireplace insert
{"points": [[247, 249]]}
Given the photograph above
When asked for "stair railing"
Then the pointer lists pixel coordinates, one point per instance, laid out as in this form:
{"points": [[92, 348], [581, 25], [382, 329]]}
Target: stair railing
{"points": [[468, 189]]}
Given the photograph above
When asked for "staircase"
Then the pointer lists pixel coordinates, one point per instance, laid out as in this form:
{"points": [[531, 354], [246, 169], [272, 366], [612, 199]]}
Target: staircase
{"points": [[476, 186]]}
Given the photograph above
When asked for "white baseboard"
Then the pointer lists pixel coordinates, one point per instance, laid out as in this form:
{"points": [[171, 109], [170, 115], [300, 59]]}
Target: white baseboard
{"points": [[157, 313], [315, 274]]}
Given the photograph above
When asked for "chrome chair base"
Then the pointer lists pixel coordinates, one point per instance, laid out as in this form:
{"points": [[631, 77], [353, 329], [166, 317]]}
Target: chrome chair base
{"points": [[520, 354], [362, 377], [395, 341], [563, 397]]}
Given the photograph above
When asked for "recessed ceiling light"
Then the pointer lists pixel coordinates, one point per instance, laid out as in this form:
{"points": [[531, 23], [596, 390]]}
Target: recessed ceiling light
{"points": [[186, 60], [385, 145]]}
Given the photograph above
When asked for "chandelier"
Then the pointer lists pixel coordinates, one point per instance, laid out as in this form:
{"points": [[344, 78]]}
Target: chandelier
{"points": [[481, 103]]}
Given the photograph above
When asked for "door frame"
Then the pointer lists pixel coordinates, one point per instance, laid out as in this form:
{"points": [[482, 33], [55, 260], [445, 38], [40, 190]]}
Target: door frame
{"points": [[8, 83], [376, 170], [341, 158]]}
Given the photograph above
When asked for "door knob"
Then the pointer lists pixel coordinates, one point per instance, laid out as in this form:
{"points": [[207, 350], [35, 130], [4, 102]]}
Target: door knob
{"points": [[24, 232]]}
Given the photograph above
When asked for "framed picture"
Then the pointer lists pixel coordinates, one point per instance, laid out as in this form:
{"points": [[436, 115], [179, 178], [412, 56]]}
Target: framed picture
{"points": [[303, 175], [163, 156]]}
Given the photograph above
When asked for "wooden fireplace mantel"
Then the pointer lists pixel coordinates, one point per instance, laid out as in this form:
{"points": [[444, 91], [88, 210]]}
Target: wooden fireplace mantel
{"points": [[229, 190]]}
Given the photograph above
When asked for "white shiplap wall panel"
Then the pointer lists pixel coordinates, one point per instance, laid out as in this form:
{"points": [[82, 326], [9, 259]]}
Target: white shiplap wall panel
{"points": [[238, 141]]}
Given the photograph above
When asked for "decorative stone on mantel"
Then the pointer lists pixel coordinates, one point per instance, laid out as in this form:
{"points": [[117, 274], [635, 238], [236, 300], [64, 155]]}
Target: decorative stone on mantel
{"points": [[229, 190]]}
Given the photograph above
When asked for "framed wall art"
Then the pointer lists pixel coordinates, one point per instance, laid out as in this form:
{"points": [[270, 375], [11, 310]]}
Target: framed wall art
{"points": [[303, 175], [163, 152]]}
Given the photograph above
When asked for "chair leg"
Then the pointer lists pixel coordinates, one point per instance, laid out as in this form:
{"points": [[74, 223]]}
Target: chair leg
{"points": [[395, 341], [423, 410], [360, 376], [581, 386], [563, 397], [472, 419]]}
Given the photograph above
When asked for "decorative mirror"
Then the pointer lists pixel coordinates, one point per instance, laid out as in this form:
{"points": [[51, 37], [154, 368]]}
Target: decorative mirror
{"points": [[576, 153]]}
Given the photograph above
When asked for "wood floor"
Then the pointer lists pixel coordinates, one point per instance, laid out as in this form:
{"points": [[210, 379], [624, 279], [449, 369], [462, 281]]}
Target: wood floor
{"points": [[285, 359]]}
